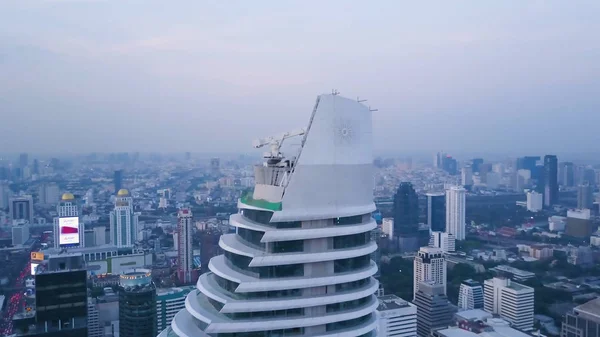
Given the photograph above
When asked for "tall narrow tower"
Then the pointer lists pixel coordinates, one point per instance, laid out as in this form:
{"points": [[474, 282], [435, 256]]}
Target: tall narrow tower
{"points": [[300, 260], [429, 266], [455, 212], [123, 221], [69, 231], [184, 249]]}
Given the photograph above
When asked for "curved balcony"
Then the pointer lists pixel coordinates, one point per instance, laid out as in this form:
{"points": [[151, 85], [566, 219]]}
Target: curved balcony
{"points": [[274, 235], [185, 325], [248, 283], [232, 243], [208, 286], [198, 306]]}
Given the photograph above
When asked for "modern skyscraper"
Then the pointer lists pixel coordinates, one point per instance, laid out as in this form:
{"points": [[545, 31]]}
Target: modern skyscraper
{"points": [[137, 304], [123, 221], [583, 321], [118, 180], [69, 231], [585, 196], [397, 317], [23, 160], [185, 254], [443, 241], [466, 176], [215, 166], [5, 194], [511, 300], [406, 218], [429, 265], [550, 180], [528, 163], [476, 165], [470, 295], [433, 308], [61, 300], [455, 211], [21, 208], [436, 212], [535, 201], [299, 262], [567, 174], [48, 194]]}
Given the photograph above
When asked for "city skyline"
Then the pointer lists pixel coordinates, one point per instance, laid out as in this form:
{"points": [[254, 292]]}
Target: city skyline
{"points": [[468, 76]]}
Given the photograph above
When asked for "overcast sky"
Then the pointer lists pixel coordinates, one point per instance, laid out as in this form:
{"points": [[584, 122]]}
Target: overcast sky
{"points": [[510, 76]]}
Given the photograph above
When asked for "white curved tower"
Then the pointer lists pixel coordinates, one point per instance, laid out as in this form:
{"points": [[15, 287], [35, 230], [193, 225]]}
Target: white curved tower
{"points": [[299, 263]]}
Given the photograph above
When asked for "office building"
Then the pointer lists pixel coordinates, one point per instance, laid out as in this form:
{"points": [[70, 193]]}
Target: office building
{"points": [[476, 164], [61, 302], [579, 223], [443, 241], [514, 273], [20, 233], [99, 236], [529, 163], [455, 212], [123, 221], [582, 321], [215, 166], [396, 317], [470, 295], [69, 231], [387, 227], [429, 265], [118, 180], [48, 194], [300, 259], [21, 208], [436, 212], [566, 175], [585, 196], [406, 218], [580, 256], [466, 176], [550, 180], [433, 309], [93, 321], [511, 300], [186, 271], [137, 304], [23, 160], [535, 201], [168, 303], [5, 194]]}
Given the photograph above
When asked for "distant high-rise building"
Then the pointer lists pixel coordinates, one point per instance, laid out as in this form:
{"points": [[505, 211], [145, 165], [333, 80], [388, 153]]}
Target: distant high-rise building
{"points": [[215, 166], [20, 233], [585, 196], [36, 167], [48, 194], [69, 231], [445, 162], [21, 208], [535, 201], [455, 212], [5, 194], [579, 223], [528, 163], [406, 218], [511, 300], [567, 174], [470, 295], [137, 304], [168, 303], [550, 180], [23, 160], [396, 317], [387, 227], [429, 265], [433, 309], [123, 221], [476, 165], [436, 212], [443, 241], [185, 253], [94, 328], [466, 174], [118, 180], [583, 321]]}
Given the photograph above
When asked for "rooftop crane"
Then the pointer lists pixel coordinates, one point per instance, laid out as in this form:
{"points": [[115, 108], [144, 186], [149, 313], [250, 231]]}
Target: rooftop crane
{"points": [[276, 142]]}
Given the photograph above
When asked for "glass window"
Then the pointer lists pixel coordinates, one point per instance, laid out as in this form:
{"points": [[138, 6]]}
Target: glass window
{"points": [[348, 305], [288, 246], [243, 262], [347, 324], [351, 264], [261, 217], [352, 285], [267, 314], [353, 240], [251, 236], [348, 220]]}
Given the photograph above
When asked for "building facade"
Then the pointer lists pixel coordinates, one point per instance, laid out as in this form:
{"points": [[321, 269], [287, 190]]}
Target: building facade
{"points": [[444, 241], [168, 303], [68, 208], [550, 180], [583, 321], [585, 196], [470, 295], [137, 304], [436, 212], [21, 208], [185, 254], [396, 317], [406, 218], [429, 265], [299, 262], [511, 300], [433, 308], [535, 201], [455, 212], [123, 221]]}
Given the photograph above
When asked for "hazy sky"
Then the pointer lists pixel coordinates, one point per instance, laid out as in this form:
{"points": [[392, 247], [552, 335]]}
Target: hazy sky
{"points": [[512, 76]]}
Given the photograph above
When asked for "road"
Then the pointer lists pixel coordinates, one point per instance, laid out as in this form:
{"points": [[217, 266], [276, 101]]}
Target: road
{"points": [[15, 302]]}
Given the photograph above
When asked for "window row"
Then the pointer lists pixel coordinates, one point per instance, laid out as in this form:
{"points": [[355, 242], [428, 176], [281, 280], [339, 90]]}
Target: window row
{"points": [[353, 240]]}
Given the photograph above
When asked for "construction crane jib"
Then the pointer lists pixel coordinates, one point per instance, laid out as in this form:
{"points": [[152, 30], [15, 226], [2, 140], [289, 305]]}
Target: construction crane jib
{"points": [[275, 142]]}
